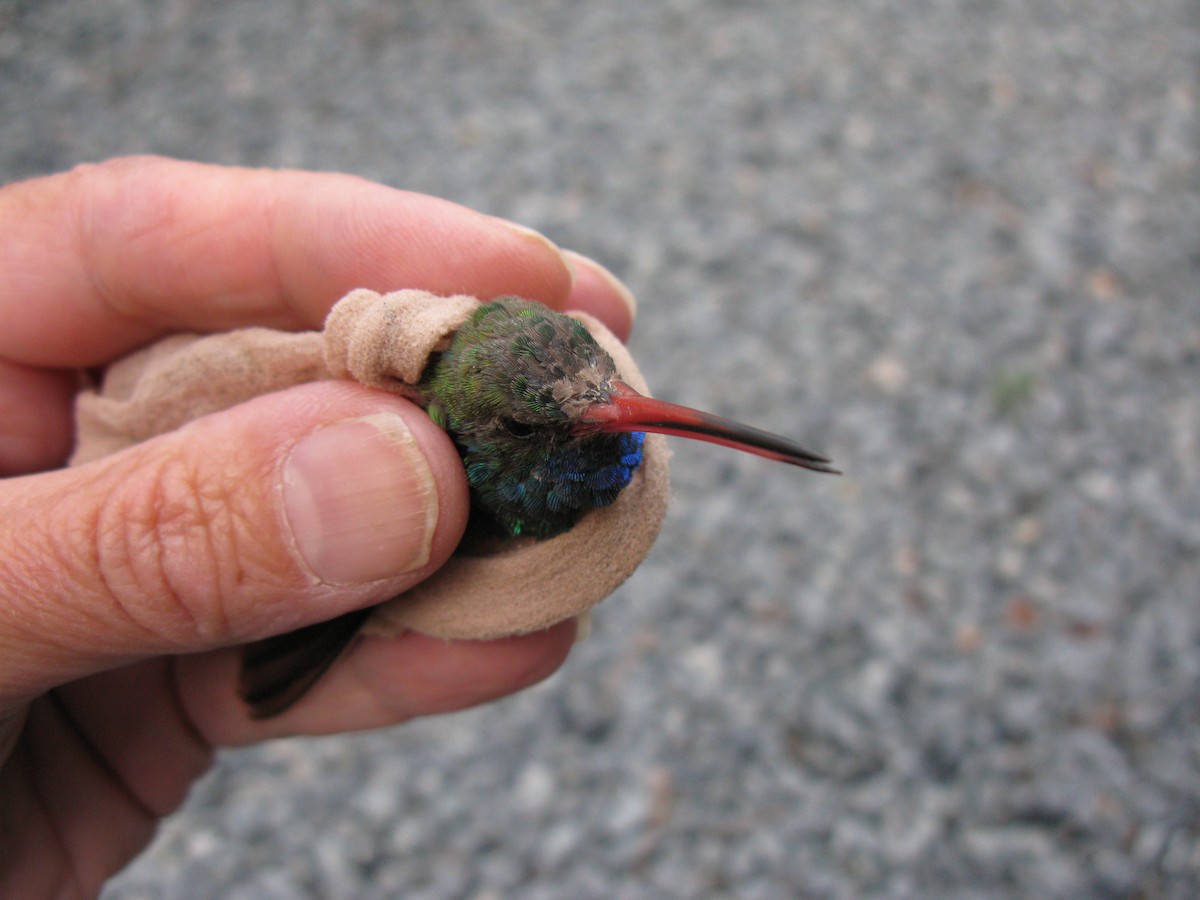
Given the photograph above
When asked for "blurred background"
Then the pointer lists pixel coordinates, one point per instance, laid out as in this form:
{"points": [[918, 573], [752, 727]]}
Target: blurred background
{"points": [[955, 245]]}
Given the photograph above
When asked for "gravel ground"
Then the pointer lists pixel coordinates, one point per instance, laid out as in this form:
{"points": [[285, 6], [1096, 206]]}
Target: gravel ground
{"points": [[955, 245]]}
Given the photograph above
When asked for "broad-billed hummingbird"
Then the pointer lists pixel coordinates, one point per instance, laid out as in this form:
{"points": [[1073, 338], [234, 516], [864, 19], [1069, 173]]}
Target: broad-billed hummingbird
{"points": [[547, 432]]}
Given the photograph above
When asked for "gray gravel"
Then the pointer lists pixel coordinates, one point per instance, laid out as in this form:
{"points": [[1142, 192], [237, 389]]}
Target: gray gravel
{"points": [[956, 245]]}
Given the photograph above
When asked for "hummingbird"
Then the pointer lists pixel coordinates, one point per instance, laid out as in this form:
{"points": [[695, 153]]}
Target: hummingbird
{"points": [[547, 431]]}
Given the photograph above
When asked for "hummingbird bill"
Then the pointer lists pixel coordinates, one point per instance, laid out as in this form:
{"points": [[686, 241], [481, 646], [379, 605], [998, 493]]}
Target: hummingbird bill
{"points": [[547, 432]]}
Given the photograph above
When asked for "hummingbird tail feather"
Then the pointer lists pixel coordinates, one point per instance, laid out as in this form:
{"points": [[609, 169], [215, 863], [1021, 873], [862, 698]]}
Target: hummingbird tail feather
{"points": [[277, 671]]}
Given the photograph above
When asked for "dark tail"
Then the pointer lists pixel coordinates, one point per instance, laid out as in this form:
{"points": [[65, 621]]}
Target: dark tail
{"points": [[278, 671]]}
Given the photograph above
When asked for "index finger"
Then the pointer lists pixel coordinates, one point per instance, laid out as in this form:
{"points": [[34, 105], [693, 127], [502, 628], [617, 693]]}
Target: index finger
{"points": [[107, 257]]}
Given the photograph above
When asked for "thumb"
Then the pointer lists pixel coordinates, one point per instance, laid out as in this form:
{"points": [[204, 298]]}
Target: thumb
{"points": [[286, 510]]}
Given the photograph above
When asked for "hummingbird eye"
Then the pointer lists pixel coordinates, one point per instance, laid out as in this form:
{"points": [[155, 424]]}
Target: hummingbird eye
{"points": [[518, 429]]}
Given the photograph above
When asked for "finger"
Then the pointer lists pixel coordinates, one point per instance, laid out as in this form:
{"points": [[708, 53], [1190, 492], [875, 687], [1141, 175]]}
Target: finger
{"points": [[381, 682], [67, 823], [35, 418], [600, 293], [36, 427], [132, 722], [289, 509], [106, 257]]}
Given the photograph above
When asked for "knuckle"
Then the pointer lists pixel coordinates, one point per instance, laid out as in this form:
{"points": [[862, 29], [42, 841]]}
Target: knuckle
{"points": [[172, 545], [112, 204]]}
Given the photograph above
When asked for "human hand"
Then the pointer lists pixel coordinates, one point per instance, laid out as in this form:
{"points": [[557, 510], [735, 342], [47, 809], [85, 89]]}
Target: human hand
{"points": [[126, 584]]}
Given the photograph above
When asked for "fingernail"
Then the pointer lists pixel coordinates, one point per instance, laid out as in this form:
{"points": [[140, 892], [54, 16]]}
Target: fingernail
{"points": [[618, 286], [537, 237], [583, 626], [361, 500]]}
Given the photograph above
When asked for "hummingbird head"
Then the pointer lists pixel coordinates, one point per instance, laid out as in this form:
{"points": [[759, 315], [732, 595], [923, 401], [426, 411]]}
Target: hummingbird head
{"points": [[546, 428], [510, 389]]}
